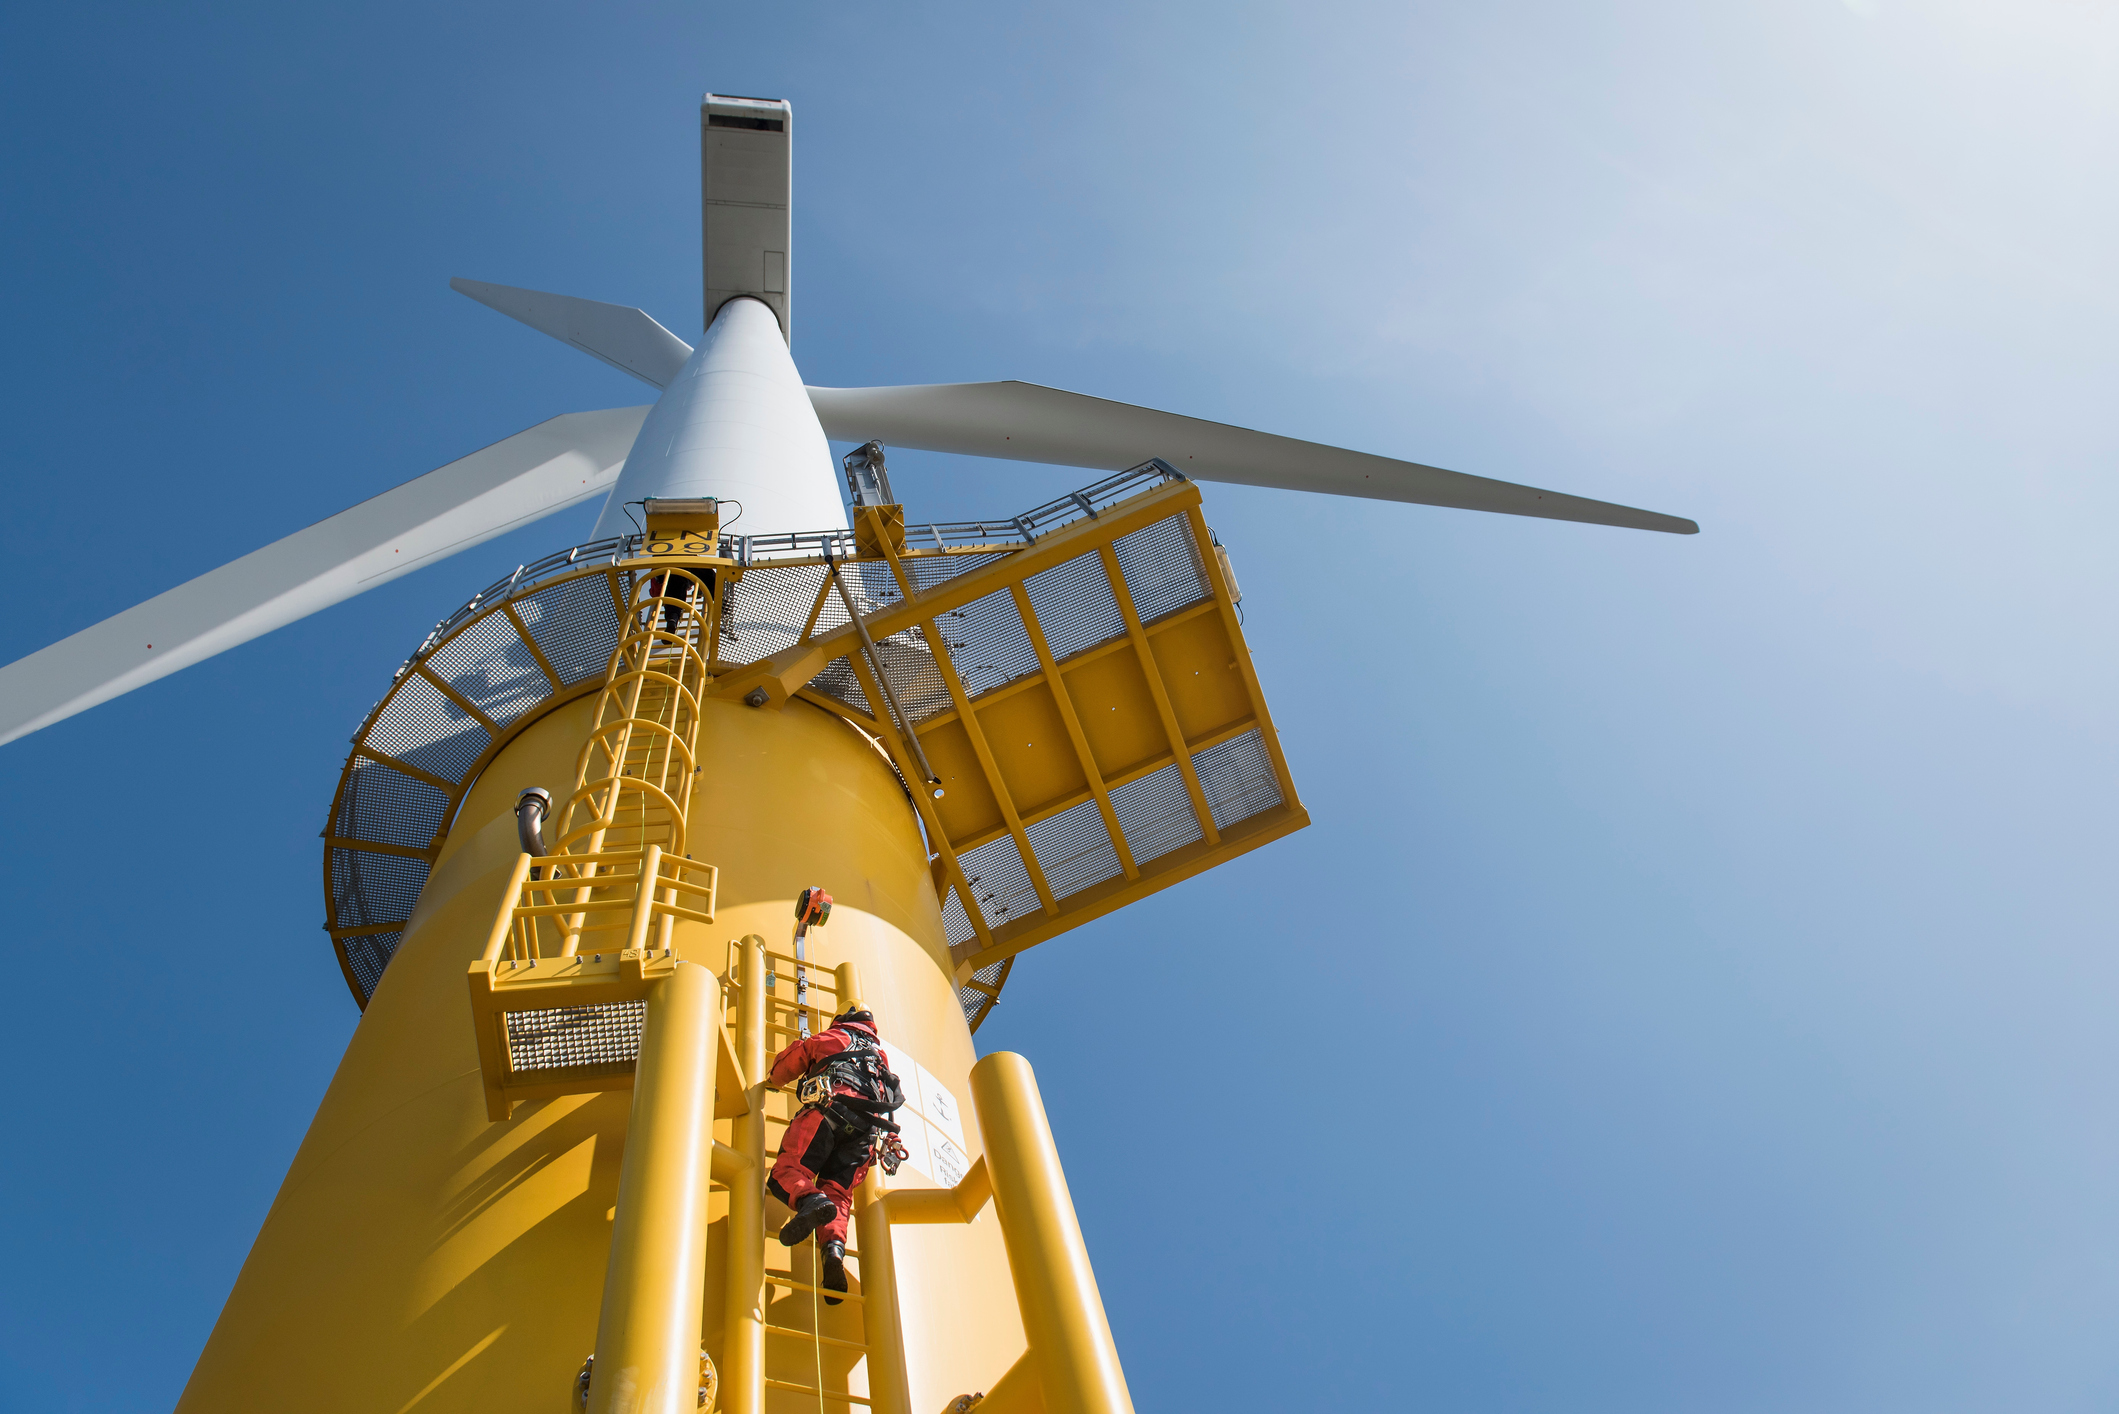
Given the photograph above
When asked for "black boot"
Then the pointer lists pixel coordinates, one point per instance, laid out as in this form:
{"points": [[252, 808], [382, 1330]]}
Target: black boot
{"points": [[834, 1269], [811, 1213]]}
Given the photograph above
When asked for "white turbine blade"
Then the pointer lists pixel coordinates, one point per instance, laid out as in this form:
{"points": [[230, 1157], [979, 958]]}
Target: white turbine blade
{"points": [[628, 339], [532, 474], [1032, 423]]}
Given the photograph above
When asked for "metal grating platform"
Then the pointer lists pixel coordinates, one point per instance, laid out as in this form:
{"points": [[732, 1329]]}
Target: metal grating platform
{"points": [[1075, 676], [569, 1036]]}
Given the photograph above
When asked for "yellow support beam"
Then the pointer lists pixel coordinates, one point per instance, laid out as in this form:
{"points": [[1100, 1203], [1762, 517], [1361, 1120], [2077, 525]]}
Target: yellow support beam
{"points": [[469, 708], [938, 645], [960, 1204], [889, 1385], [529, 641], [1225, 603], [743, 1338], [1145, 651], [988, 767], [1071, 1349], [1065, 702], [1017, 1392], [441, 783], [647, 1335]]}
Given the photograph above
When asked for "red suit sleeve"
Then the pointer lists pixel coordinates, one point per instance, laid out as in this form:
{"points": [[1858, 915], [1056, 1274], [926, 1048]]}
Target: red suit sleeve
{"points": [[794, 1062]]}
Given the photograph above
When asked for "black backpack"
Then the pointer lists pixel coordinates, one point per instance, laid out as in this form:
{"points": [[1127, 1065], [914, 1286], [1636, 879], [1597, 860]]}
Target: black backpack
{"points": [[859, 1068]]}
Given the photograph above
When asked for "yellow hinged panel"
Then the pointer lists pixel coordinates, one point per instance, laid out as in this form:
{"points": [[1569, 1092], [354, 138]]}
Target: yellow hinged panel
{"points": [[1077, 719]]}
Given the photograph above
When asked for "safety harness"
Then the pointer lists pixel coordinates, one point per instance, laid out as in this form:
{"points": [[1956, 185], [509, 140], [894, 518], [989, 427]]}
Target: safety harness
{"points": [[876, 1092]]}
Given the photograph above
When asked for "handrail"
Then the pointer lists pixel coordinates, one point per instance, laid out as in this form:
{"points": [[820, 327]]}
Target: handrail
{"points": [[514, 927], [948, 537]]}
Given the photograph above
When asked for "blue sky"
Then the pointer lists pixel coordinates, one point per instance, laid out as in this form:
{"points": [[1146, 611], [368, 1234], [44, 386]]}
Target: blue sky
{"points": [[1696, 990]]}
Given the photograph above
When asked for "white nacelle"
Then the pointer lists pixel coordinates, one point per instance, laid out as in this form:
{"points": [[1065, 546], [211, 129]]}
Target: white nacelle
{"points": [[735, 423]]}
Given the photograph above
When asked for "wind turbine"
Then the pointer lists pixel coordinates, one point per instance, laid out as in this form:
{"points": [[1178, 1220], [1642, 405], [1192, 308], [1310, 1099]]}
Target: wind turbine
{"points": [[592, 794]]}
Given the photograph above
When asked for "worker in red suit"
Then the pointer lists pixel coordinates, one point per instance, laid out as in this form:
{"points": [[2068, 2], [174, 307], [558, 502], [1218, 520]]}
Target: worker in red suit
{"points": [[847, 1093], [676, 590]]}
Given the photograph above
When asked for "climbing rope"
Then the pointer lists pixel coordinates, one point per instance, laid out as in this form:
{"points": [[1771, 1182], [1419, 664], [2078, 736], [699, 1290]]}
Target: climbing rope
{"points": [[812, 909], [816, 1316]]}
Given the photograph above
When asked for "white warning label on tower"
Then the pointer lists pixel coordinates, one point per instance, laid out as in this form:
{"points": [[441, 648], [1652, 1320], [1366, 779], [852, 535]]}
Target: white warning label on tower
{"points": [[939, 1107], [932, 1125], [950, 1165]]}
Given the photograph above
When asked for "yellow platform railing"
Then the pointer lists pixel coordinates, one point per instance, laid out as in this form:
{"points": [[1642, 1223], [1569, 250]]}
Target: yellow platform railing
{"points": [[556, 1020], [591, 897]]}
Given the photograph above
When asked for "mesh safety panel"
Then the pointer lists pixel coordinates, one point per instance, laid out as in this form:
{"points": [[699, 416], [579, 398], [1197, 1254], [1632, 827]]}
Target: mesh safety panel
{"points": [[837, 681], [956, 924], [926, 574], [575, 1035], [1156, 813], [871, 591], [1073, 849], [378, 803], [1162, 569], [373, 888], [906, 659], [764, 611], [368, 955], [988, 643], [1237, 777], [422, 728], [490, 665], [915, 681], [999, 881], [913, 675], [575, 626], [976, 1002], [1073, 602]]}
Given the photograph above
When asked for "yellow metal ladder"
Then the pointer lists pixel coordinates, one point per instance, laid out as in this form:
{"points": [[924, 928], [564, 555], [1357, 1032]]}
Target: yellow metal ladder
{"points": [[559, 993], [779, 1022]]}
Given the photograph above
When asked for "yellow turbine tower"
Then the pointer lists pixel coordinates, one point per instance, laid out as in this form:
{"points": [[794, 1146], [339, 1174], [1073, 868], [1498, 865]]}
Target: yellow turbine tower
{"points": [[562, 861]]}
